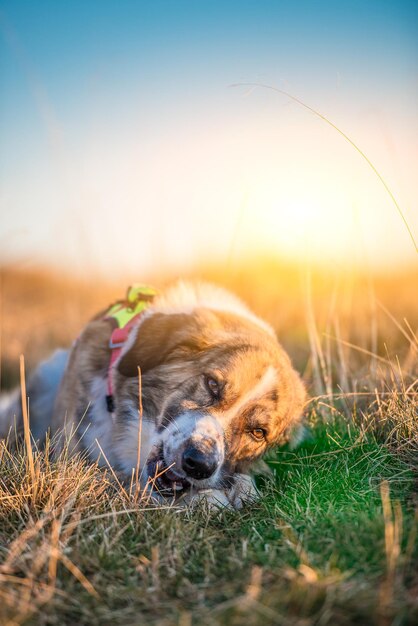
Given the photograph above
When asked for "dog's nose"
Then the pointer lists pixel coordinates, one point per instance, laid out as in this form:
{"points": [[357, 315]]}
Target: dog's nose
{"points": [[198, 464]]}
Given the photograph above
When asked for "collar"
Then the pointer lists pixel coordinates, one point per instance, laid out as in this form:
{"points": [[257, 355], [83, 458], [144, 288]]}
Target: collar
{"points": [[125, 315]]}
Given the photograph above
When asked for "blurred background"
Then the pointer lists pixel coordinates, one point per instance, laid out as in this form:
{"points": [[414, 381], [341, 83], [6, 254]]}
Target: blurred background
{"points": [[135, 146]]}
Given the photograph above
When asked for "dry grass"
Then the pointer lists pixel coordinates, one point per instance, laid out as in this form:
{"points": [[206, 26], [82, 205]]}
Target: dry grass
{"points": [[333, 539]]}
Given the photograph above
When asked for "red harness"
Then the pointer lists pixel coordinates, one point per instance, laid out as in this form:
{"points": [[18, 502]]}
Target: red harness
{"points": [[127, 315]]}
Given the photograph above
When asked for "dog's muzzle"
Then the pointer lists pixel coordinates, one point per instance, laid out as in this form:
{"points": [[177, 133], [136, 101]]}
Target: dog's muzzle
{"points": [[190, 452]]}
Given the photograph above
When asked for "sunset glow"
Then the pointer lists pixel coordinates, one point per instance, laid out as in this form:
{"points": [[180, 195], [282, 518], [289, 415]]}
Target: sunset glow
{"points": [[132, 150]]}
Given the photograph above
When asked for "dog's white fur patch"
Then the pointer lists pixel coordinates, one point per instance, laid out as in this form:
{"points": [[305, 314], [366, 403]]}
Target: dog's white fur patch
{"points": [[128, 447], [98, 424], [264, 385], [184, 297]]}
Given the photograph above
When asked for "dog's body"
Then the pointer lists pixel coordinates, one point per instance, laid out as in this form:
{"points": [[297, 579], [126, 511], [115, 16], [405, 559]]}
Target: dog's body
{"points": [[215, 391]]}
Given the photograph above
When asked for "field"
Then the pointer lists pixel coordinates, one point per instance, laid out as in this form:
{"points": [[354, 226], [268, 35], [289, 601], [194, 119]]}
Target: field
{"points": [[333, 540]]}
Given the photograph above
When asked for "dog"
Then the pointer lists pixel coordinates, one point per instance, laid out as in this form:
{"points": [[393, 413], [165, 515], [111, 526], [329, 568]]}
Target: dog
{"points": [[196, 392]]}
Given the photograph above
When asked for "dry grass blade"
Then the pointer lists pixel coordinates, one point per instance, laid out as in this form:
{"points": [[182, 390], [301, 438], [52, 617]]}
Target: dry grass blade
{"points": [[121, 487], [392, 516], [321, 373], [411, 339], [20, 543], [78, 574], [26, 425], [362, 350], [114, 514], [140, 415], [53, 561]]}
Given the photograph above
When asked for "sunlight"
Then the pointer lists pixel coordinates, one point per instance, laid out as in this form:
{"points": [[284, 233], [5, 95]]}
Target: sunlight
{"points": [[297, 221]]}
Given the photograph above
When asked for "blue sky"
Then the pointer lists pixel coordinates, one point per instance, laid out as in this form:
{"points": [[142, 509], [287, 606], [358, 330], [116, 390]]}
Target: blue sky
{"points": [[123, 111]]}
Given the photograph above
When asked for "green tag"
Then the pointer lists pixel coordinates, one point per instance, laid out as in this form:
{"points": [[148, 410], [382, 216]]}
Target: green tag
{"points": [[137, 290], [122, 313]]}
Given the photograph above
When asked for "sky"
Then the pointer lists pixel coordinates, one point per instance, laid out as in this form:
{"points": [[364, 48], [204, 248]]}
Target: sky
{"points": [[132, 137]]}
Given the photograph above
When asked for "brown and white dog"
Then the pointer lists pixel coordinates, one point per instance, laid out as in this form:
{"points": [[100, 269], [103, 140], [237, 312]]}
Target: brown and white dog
{"points": [[217, 390]]}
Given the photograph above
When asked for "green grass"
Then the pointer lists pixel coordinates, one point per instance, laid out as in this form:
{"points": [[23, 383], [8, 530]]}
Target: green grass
{"points": [[312, 551]]}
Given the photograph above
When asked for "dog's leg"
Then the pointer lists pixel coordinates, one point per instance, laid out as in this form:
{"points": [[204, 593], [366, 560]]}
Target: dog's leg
{"points": [[42, 388]]}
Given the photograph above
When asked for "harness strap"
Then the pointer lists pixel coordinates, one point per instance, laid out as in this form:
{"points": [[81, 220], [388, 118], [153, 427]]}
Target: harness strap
{"points": [[126, 315]]}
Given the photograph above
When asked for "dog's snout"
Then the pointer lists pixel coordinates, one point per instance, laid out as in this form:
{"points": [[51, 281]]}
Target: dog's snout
{"points": [[198, 464]]}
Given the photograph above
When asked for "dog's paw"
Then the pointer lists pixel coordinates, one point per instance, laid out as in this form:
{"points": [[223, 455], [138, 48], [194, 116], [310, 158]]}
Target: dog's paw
{"points": [[243, 491], [214, 499]]}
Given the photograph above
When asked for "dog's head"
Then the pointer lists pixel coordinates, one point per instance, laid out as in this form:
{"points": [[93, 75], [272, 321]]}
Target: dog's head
{"points": [[219, 386]]}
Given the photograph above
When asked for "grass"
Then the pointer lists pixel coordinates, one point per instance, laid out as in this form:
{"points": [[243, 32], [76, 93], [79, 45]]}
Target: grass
{"points": [[331, 541]]}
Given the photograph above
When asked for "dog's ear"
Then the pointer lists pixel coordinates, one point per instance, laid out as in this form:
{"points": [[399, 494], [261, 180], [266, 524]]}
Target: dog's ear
{"points": [[157, 339]]}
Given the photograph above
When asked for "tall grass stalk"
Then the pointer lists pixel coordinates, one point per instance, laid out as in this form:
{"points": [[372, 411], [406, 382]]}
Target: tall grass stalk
{"points": [[26, 426]]}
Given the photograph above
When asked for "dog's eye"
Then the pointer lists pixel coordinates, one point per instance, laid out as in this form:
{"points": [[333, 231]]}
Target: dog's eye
{"points": [[213, 386], [258, 433]]}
